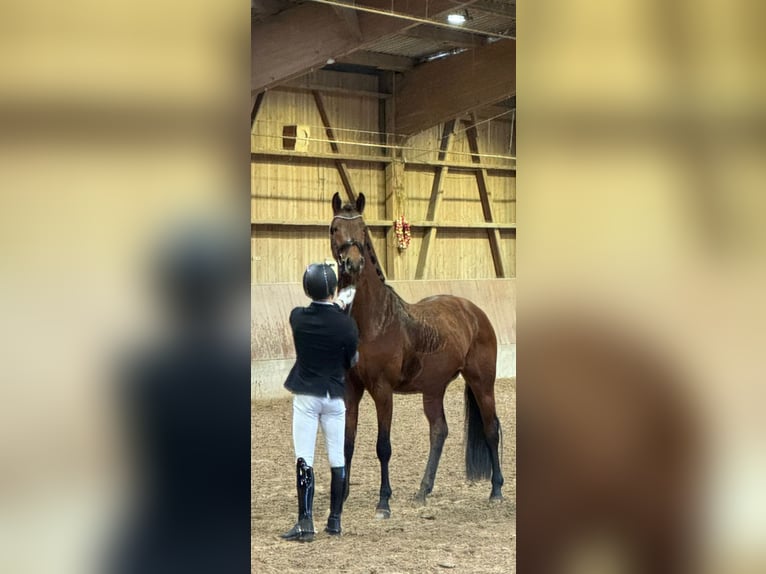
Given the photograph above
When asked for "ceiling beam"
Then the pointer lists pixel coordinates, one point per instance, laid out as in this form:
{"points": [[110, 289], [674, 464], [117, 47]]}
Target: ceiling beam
{"points": [[377, 60], [437, 91], [303, 38], [349, 16]]}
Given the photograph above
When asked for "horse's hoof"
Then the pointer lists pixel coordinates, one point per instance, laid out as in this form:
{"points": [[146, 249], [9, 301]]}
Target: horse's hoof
{"points": [[496, 498], [382, 513], [420, 499]]}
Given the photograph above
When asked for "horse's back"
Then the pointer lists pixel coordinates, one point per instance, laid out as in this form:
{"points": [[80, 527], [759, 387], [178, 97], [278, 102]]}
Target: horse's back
{"points": [[453, 309], [462, 326]]}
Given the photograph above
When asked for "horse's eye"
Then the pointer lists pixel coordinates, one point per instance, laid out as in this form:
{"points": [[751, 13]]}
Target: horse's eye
{"points": [[333, 230]]}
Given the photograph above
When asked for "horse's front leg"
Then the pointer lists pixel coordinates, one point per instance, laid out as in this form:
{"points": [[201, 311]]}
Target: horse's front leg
{"points": [[384, 404], [354, 392]]}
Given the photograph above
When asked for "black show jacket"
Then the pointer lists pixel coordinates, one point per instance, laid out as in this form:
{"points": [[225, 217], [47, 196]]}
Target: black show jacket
{"points": [[326, 341]]}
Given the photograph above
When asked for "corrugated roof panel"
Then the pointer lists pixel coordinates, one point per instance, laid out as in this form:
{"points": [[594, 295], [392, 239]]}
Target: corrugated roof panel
{"points": [[487, 22], [400, 45]]}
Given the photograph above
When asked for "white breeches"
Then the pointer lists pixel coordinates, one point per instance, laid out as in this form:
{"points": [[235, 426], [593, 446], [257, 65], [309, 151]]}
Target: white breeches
{"points": [[331, 414]]}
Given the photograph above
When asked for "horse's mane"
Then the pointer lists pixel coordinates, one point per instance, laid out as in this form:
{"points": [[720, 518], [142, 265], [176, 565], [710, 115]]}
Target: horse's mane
{"points": [[425, 337]]}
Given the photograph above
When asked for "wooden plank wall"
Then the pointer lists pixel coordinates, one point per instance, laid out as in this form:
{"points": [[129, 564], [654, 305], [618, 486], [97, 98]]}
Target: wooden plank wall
{"points": [[272, 350], [291, 189]]}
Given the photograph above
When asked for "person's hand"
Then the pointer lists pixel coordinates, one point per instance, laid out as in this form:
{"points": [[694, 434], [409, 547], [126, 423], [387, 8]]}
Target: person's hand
{"points": [[346, 296]]}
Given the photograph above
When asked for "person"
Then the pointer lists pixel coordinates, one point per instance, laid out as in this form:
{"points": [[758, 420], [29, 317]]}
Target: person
{"points": [[183, 407], [326, 342]]}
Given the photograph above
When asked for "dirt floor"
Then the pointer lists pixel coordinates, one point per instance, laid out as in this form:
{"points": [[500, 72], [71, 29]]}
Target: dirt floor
{"points": [[458, 530]]}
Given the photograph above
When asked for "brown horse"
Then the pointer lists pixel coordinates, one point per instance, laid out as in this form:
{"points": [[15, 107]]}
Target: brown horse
{"points": [[415, 348]]}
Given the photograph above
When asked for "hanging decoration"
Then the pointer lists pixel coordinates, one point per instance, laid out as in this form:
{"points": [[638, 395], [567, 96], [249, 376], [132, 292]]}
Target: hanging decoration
{"points": [[402, 230]]}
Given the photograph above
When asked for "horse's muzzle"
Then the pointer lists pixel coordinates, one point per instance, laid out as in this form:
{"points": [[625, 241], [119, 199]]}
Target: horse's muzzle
{"points": [[352, 267], [348, 265]]}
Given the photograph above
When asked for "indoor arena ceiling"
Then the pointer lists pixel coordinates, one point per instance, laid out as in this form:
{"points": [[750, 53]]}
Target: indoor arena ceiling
{"points": [[293, 37], [422, 41]]}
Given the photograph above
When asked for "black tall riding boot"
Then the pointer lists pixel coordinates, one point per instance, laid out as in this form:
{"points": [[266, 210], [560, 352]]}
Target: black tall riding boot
{"points": [[336, 499], [303, 531]]}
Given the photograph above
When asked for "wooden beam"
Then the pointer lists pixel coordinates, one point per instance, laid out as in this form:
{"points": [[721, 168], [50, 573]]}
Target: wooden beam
{"points": [[348, 15], [291, 87], [281, 49], [512, 144], [345, 177], [437, 91], [435, 200], [289, 156], [456, 166], [378, 61], [440, 171], [394, 175], [305, 37], [496, 113], [258, 153], [256, 107], [425, 248], [326, 122], [389, 223], [493, 234], [383, 80], [394, 184], [473, 138]]}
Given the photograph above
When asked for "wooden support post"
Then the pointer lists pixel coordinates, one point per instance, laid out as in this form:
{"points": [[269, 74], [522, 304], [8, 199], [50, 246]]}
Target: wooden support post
{"points": [[345, 177], [394, 181], [486, 198], [394, 174], [433, 203], [383, 82], [256, 107]]}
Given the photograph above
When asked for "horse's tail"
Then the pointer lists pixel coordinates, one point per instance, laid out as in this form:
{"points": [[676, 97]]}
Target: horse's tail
{"points": [[478, 459]]}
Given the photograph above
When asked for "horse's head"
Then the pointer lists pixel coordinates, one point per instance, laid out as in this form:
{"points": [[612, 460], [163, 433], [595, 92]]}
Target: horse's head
{"points": [[347, 235]]}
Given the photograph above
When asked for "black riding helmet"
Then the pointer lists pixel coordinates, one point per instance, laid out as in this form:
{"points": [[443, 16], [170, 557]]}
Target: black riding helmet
{"points": [[319, 281]]}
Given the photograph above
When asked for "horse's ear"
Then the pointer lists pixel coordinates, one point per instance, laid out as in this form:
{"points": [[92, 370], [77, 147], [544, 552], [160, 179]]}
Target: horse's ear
{"points": [[336, 203], [360, 203]]}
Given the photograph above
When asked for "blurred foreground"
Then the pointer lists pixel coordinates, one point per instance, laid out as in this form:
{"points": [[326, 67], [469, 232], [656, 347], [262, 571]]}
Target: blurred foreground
{"points": [[123, 137], [642, 138], [642, 269]]}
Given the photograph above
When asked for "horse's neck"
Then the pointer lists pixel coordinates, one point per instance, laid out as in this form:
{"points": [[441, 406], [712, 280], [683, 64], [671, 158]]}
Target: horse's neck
{"points": [[373, 304]]}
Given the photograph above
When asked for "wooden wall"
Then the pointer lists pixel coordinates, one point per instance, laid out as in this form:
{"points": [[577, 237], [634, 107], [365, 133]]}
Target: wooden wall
{"points": [[291, 191], [272, 349]]}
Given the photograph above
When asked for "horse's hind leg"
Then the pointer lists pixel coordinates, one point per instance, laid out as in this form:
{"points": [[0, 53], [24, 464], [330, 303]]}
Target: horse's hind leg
{"points": [[482, 420], [433, 405]]}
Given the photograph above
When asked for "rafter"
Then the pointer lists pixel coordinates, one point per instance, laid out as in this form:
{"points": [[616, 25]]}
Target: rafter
{"points": [[378, 60], [348, 15], [257, 103]]}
